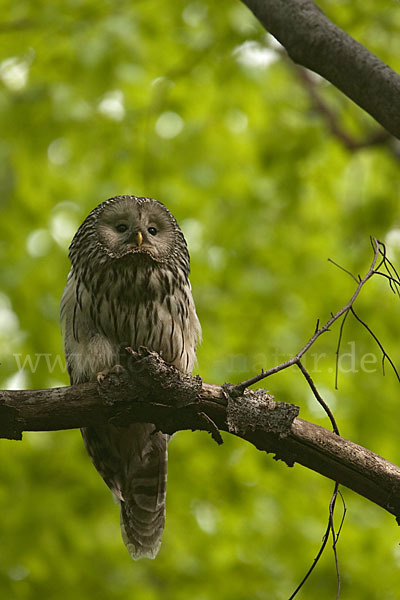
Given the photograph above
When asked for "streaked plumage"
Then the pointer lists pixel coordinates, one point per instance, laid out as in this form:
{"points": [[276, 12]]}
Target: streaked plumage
{"points": [[129, 284]]}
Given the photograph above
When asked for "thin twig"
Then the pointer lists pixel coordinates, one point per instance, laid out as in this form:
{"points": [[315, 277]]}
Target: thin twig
{"points": [[343, 269], [240, 387], [318, 396], [335, 536], [384, 353], [332, 502], [389, 262], [338, 349], [392, 282], [316, 326], [315, 562], [323, 545], [343, 515], [332, 505]]}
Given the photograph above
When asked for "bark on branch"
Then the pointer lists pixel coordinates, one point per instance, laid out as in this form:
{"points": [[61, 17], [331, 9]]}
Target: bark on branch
{"points": [[149, 390], [313, 41]]}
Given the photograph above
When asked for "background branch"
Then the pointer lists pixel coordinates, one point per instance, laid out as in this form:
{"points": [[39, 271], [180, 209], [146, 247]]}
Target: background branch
{"points": [[313, 41], [332, 119], [152, 391]]}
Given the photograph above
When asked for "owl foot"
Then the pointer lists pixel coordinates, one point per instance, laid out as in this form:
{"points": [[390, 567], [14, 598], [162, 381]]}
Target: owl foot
{"points": [[142, 352], [144, 360], [115, 370]]}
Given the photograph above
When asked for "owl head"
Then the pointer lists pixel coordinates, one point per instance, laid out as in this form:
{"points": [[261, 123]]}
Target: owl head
{"points": [[126, 227]]}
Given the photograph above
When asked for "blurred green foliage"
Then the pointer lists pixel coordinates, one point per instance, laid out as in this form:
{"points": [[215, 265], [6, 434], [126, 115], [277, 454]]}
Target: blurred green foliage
{"points": [[190, 102]]}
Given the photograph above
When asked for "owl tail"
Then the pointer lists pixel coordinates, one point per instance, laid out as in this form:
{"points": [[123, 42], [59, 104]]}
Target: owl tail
{"points": [[143, 498]]}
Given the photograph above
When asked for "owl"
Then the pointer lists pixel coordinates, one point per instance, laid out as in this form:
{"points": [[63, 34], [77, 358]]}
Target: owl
{"points": [[129, 284]]}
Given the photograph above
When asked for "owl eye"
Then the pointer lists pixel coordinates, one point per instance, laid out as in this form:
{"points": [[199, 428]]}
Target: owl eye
{"points": [[121, 228], [152, 230]]}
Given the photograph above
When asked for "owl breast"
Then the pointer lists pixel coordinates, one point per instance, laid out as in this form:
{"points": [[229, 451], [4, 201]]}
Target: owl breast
{"points": [[141, 305]]}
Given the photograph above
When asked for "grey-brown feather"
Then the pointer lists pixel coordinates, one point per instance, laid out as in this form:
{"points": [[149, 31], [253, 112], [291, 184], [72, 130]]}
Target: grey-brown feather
{"points": [[121, 293]]}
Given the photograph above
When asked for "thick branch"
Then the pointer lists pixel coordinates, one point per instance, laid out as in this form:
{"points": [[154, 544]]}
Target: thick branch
{"points": [[155, 392], [313, 41]]}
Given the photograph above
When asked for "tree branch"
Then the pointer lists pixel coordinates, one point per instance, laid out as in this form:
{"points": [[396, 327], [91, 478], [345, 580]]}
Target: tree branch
{"points": [[313, 41], [151, 391]]}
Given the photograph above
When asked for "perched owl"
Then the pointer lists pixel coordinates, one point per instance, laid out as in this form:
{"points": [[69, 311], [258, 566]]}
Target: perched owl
{"points": [[129, 284]]}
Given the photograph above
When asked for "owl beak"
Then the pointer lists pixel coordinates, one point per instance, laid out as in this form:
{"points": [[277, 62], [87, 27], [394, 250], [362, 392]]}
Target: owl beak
{"points": [[139, 238]]}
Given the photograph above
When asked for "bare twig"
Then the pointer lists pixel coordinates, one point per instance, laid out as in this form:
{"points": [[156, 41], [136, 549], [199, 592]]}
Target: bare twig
{"points": [[338, 349], [385, 355], [318, 396], [356, 279], [292, 361], [325, 538], [394, 283], [330, 527], [394, 280], [332, 505], [343, 515]]}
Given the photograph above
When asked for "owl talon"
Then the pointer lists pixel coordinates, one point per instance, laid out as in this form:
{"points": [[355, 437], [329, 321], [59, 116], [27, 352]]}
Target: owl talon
{"points": [[141, 353], [101, 377], [115, 370]]}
